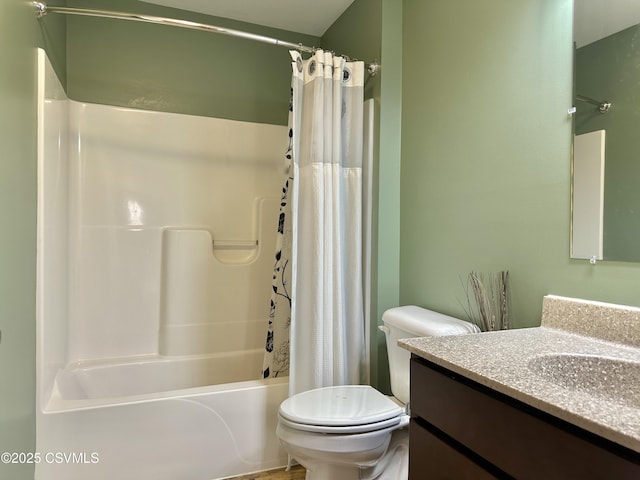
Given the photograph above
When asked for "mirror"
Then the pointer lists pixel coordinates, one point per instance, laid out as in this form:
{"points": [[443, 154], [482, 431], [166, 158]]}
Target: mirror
{"points": [[607, 69]]}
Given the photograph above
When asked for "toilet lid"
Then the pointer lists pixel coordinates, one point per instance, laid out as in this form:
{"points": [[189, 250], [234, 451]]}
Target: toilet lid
{"points": [[344, 429], [342, 406]]}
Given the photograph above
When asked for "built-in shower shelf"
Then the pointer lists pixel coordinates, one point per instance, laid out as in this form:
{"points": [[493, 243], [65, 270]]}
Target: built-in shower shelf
{"points": [[234, 244]]}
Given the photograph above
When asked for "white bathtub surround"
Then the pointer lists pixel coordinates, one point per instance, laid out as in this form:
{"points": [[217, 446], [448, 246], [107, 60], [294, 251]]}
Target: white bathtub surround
{"points": [[172, 221], [327, 331], [156, 235]]}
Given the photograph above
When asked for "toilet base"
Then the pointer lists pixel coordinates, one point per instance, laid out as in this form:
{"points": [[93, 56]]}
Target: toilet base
{"points": [[393, 464]]}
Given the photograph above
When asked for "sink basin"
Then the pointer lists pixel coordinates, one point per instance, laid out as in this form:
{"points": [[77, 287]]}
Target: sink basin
{"points": [[615, 379]]}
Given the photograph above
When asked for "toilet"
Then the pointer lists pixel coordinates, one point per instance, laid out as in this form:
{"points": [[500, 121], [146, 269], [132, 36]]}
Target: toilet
{"points": [[354, 432]]}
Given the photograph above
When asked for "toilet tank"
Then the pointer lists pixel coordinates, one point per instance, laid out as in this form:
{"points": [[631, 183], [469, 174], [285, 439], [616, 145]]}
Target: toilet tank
{"points": [[411, 321]]}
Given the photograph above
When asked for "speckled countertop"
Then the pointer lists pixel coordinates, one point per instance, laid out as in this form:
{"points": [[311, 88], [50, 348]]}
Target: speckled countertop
{"points": [[582, 365]]}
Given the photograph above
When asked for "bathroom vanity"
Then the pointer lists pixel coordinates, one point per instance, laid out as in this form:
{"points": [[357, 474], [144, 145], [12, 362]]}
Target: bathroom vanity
{"points": [[462, 430], [554, 402]]}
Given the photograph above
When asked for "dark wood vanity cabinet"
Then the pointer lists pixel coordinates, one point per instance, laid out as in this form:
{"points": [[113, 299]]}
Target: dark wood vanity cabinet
{"points": [[463, 430]]}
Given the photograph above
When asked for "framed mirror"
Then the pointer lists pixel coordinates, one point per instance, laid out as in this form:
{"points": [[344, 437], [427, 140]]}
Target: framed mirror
{"points": [[606, 159]]}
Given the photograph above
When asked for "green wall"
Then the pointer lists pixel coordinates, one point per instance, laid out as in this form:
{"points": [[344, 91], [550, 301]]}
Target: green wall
{"points": [[358, 34], [372, 30], [609, 69], [387, 254], [481, 89], [20, 33], [171, 69], [485, 181]]}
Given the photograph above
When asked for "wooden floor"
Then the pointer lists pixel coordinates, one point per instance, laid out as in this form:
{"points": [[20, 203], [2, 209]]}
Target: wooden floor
{"points": [[296, 473]]}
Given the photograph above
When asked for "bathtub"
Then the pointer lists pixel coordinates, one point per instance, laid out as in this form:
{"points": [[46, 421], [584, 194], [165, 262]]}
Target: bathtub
{"points": [[122, 379], [152, 303], [159, 419]]}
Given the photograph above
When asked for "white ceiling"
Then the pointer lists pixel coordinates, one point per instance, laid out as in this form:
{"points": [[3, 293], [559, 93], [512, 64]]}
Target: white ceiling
{"points": [[312, 17], [596, 19]]}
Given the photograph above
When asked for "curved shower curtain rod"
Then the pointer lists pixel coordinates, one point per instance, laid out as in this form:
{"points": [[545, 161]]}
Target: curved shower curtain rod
{"points": [[43, 9], [603, 106]]}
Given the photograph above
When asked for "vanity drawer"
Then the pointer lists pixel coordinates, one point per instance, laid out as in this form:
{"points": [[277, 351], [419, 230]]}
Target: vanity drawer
{"points": [[521, 441], [435, 459]]}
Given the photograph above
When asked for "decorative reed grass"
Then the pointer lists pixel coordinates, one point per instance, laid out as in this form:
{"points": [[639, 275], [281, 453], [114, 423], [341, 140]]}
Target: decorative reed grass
{"points": [[488, 300]]}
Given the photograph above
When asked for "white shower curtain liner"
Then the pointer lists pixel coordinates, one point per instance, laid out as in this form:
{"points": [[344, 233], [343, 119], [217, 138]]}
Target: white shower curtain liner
{"points": [[327, 342]]}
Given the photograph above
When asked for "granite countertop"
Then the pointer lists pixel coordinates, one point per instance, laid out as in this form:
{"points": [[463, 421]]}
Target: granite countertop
{"points": [[515, 363]]}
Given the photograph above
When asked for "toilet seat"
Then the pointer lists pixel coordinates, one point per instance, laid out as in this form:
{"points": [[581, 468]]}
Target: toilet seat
{"points": [[347, 429], [341, 410]]}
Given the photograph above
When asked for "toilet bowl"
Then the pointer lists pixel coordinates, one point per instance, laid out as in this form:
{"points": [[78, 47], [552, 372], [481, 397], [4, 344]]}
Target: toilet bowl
{"points": [[354, 432]]}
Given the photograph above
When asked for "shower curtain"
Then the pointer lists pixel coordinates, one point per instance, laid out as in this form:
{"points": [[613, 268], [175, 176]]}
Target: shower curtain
{"points": [[327, 341], [276, 357]]}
